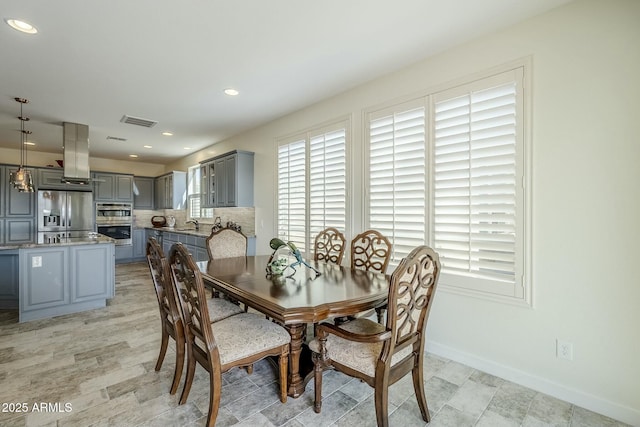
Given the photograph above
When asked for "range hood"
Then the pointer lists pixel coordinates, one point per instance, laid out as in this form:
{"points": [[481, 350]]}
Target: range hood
{"points": [[76, 153]]}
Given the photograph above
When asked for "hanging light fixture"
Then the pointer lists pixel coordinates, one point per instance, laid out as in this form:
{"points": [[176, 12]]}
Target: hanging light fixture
{"points": [[21, 179]]}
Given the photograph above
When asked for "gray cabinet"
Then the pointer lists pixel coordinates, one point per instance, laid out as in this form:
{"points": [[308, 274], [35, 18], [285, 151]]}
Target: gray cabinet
{"points": [[109, 187], [17, 211], [9, 279], [51, 179], [124, 253], [171, 190], [227, 180], [143, 193], [64, 279], [139, 244]]}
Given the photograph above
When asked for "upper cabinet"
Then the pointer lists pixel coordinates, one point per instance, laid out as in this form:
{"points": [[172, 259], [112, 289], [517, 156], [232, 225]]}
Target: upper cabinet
{"points": [[143, 196], [227, 180], [14, 203], [109, 187], [170, 190]]}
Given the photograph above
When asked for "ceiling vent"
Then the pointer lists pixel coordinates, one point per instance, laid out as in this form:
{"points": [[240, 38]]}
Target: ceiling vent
{"points": [[115, 138], [138, 121]]}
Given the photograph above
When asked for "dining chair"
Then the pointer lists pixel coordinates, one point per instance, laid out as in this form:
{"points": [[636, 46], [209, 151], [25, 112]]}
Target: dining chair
{"points": [[172, 324], [226, 243], [371, 251], [329, 246], [239, 340], [380, 355]]}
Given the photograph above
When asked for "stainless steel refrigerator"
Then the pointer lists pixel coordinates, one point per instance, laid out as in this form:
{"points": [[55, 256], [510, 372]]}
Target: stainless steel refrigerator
{"points": [[63, 214]]}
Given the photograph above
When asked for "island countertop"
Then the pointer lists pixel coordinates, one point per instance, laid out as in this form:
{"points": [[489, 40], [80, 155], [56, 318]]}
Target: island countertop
{"points": [[89, 239]]}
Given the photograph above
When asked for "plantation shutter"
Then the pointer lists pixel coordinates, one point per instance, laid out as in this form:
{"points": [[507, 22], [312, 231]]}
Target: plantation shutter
{"points": [[327, 181], [476, 176], [397, 176], [291, 193]]}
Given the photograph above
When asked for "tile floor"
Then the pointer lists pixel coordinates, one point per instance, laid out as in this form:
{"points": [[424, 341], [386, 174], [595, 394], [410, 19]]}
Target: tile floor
{"points": [[97, 369]]}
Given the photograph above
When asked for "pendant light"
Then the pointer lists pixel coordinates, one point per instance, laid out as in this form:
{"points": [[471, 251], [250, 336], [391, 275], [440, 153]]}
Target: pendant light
{"points": [[21, 179]]}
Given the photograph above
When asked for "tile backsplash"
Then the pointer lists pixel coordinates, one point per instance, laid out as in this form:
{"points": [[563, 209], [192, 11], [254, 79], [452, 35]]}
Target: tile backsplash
{"points": [[245, 217]]}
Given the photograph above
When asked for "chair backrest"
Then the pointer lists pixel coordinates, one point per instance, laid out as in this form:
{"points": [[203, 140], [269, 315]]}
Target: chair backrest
{"points": [[411, 290], [370, 251], [329, 246], [189, 286], [226, 243], [161, 275]]}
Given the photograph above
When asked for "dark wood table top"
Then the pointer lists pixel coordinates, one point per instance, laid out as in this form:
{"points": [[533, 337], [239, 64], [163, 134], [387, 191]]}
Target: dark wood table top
{"points": [[304, 298]]}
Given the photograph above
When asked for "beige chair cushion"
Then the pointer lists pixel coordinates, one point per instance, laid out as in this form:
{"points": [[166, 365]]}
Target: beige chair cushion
{"points": [[228, 243], [247, 334], [220, 308], [361, 357]]}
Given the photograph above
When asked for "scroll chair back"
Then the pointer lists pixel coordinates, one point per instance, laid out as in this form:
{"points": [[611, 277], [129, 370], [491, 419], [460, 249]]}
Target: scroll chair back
{"points": [[226, 243], [379, 354], [170, 317], [239, 340], [370, 251], [329, 246]]}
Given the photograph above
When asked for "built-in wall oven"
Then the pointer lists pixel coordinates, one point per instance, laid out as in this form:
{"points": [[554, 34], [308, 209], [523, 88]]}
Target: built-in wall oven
{"points": [[115, 220]]}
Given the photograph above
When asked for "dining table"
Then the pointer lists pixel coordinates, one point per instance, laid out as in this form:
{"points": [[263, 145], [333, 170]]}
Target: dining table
{"points": [[297, 298]]}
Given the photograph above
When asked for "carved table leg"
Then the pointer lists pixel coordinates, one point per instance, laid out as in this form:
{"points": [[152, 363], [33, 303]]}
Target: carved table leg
{"points": [[296, 381]]}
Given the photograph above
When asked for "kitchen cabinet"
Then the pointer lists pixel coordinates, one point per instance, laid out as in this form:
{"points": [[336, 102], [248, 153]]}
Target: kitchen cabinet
{"points": [[110, 187], [170, 191], [17, 211], [227, 180], [143, 196], [139, 244], [64, 279], [9, 289]]}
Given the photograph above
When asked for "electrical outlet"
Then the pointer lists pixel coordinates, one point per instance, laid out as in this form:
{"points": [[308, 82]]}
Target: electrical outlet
{"points": [[36, 262], [564, 349]]}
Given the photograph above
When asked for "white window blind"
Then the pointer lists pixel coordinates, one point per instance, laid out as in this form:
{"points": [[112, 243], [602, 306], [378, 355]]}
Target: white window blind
{"points": [[397, 176], [194, 202], [327, 182], [292, 192], [476, 192]]}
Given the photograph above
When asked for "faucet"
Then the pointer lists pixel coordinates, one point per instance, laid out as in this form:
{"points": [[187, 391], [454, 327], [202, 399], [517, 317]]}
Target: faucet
{"points": [[195, 222]]}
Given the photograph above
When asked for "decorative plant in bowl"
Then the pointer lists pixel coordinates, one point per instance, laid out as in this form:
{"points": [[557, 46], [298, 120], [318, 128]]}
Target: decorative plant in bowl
{"points": [[279, 259]]}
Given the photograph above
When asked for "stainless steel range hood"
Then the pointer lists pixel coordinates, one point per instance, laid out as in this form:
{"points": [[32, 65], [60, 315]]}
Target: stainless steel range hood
{"points": [[76, 153]]}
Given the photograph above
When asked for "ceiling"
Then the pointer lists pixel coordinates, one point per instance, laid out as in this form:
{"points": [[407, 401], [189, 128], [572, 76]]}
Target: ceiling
{"points": [[92, 62]]}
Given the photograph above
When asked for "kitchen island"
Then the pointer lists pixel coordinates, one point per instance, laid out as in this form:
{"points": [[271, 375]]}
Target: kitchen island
{"points": [[71, 275]]}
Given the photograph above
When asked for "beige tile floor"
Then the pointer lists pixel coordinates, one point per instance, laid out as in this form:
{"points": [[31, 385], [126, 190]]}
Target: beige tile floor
{"points": [[97, 369]]}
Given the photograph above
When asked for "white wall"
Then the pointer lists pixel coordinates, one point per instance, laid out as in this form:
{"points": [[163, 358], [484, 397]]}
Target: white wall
{"points": [[585, 207]]}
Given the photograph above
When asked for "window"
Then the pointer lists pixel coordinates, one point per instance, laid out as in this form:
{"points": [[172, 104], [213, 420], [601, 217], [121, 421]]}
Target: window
{"points": [[312, 184], [193, 195], [448, 169]]}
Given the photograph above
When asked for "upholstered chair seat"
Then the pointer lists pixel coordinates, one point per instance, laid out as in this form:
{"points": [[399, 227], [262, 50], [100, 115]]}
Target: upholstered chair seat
{"points": [[220, 308]]}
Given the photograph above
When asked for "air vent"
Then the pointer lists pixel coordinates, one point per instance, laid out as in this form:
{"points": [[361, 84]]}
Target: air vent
{"points": [[138, 121], [115, 138]]}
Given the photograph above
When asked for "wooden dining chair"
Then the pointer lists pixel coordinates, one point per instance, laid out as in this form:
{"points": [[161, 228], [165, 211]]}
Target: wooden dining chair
{"points": [[172, 324], [239, 340], [371, 251], [329, 246], [380, 355]]}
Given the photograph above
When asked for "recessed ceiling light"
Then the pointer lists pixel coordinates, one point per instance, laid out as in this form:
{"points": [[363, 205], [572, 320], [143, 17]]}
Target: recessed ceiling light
{"points": [[231, 92], [133, 155], [187, 148], [29, 143], [167, 133], [21, 26], [147, 146]]}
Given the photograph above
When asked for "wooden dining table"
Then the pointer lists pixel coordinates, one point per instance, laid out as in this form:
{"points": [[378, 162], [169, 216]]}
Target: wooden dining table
{"points": [[296, 301]]}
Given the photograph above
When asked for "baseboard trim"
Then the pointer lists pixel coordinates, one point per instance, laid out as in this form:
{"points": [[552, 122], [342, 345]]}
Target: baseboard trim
{"points": [[585, 400]]}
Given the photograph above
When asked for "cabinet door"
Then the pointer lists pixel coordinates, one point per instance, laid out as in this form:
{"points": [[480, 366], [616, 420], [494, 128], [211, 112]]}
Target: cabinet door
{"points": [[221, 183], [50, 179], [160, 191], [168, 188], [144, 198], [19, 230], [43, 278], [139, 243], [9, 279], [16, 203], [124, 188], [205, 195], [230, 165], [92, 277], [104, 187]]}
